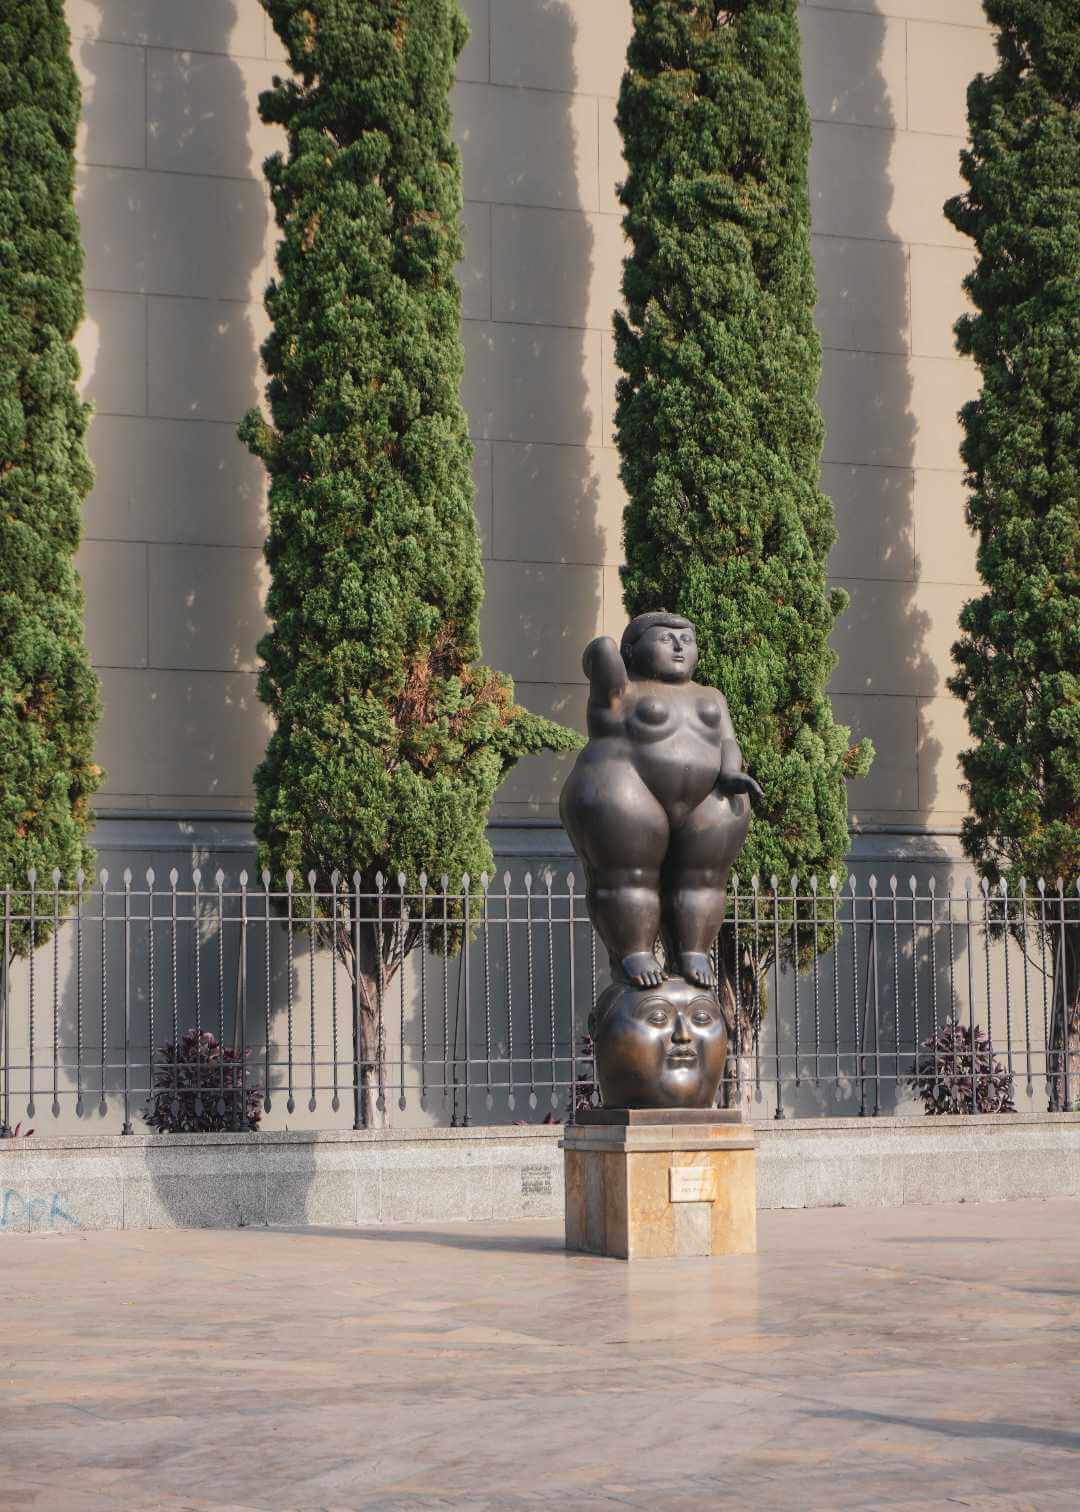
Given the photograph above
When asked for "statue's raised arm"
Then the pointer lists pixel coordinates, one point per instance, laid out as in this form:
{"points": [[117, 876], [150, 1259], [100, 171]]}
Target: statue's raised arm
{"points": [[604, 667]]}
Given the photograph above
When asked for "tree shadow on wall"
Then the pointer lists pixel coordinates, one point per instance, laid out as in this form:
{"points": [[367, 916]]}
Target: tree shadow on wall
{"points": [[869, 458], [533, 389], [175, 268], [886, 672], [175, 265]]}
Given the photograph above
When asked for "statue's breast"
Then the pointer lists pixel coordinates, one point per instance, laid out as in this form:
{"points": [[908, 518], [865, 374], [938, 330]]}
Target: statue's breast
{"points": [[709, 714], [653, 713]]}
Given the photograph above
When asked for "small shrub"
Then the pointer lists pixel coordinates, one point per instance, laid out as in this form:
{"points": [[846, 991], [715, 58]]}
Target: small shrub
{"points": [[197, 1088], [586, 1094], [943, 1075]]}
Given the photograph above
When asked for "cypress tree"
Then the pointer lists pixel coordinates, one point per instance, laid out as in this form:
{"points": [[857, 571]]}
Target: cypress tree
{"points": [[1018, 657], [717, 420], [390, 738], [48, 692]]}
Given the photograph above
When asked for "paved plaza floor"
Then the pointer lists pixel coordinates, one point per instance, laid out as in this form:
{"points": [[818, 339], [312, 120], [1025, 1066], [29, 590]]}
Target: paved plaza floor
{"points": [[915, 1358]]}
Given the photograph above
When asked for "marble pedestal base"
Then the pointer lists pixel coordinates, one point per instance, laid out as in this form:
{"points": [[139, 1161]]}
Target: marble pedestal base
{"points": [[646, 1184]]}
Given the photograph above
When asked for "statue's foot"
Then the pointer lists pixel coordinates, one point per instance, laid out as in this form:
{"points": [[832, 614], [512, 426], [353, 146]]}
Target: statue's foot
{"points": [[643, 969], [696, 968]]}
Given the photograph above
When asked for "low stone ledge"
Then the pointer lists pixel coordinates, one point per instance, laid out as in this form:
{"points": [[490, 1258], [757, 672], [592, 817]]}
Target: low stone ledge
{"points": [[889, 1162], [296, 1179], [500, 1173]]}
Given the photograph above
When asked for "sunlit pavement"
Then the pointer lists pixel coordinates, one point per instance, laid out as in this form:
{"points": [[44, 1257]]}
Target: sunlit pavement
{"points": [[911, 1358]]}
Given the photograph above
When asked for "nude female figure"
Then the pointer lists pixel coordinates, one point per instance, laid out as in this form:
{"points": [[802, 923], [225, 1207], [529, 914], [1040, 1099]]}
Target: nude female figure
{"points": [[657, 804]]}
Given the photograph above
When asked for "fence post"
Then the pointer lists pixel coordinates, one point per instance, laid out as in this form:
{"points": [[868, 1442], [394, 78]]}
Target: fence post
{"points": [[5, 1033], [774, 883], [128, 1127]]}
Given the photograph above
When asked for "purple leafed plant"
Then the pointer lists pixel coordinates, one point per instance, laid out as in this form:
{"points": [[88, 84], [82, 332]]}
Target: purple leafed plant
{"points": [[954, 1061], [586, 1092], [198, 1088]]}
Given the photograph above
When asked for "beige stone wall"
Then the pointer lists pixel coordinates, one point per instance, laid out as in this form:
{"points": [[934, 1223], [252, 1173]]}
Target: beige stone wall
{"points": [[179, 241]]}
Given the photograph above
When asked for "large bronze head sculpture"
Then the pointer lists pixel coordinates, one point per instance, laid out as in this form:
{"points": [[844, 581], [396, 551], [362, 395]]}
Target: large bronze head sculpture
{"points": [[657, 807], [659, 1047]]}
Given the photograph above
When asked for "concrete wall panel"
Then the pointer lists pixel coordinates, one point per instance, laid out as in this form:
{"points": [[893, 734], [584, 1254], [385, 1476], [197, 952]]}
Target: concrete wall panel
{"points": [[538, 618], [942, 61], [160, 233], [557, 503], [892, 724], [576, 48], [556, 267], [206, 607], [475, 270], [895, 637], [873, 507], [938, 298], [112, 130], [952, 12], [532, 383], [203, 358], [230, 26], [943, 731], [854, 68], [111, 343], [862, 303], [945, 545], [114, 576], [527, 147], [170, 480], [203, 114]]}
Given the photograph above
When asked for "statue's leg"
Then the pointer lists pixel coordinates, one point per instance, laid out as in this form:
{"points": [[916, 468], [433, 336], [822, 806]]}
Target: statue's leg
{"points": [[702, 852], [621, 833]]}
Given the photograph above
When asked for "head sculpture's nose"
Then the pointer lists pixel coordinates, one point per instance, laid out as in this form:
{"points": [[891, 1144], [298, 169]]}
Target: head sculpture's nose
{"points": [[680, 1034]]}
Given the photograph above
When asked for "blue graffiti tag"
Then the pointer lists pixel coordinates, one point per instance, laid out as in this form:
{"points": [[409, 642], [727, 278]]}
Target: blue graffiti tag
{"points": [[19, 1212]]}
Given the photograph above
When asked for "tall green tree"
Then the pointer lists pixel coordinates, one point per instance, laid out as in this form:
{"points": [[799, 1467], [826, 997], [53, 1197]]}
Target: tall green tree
{"points": [[48, 692], [717, 421], [1018, 657], [390, 737]]}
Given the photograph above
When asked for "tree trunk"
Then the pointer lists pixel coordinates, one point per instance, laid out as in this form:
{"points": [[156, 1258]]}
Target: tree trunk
{"points": [[1064, 1068], [369, 1049]]}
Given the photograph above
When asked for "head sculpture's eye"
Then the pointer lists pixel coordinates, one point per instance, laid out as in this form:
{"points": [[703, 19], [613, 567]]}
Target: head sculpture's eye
{"points": [[702, 1017], [659, 1017]]}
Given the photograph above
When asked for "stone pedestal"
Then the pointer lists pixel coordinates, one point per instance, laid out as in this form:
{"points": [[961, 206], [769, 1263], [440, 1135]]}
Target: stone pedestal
{"points": [[645, 1184]]}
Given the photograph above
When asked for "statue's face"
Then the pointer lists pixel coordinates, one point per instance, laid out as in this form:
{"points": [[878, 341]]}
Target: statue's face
{"points": [[660, 1047], [669, 655]]}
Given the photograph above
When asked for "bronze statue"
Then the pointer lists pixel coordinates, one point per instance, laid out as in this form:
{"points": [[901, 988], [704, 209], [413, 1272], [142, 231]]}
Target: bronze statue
{"points": [[657, 807]]}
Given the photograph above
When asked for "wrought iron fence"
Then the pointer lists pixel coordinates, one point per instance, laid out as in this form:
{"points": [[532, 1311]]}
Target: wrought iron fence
{"points": [[230, 1003]]}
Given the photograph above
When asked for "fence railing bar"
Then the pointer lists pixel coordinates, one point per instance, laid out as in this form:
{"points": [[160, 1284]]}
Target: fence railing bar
{"points": [[32, 878], [774, 883]]}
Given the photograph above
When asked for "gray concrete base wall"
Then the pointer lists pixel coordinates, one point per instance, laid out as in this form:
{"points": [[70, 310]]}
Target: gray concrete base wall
{"points": [[889, 1162], [228, 1180], [499, 1174]]}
